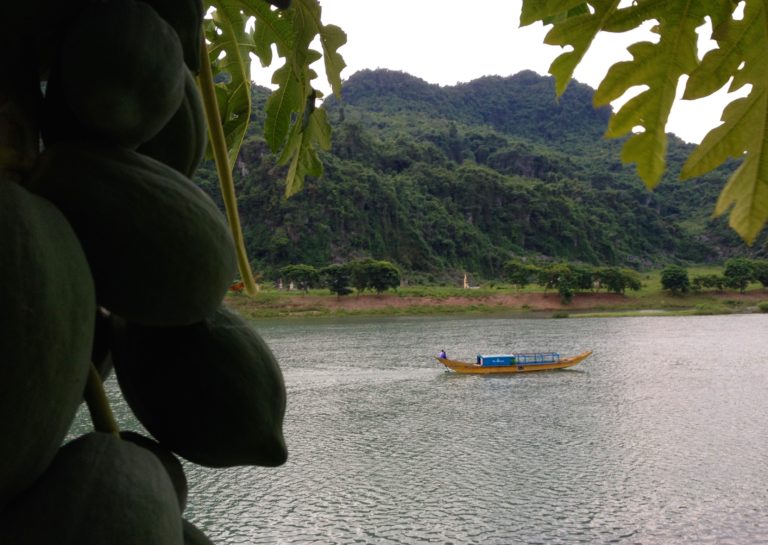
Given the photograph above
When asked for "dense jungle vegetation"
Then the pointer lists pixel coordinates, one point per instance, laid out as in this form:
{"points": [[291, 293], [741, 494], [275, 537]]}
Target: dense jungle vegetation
{"points": [[442, 180]]}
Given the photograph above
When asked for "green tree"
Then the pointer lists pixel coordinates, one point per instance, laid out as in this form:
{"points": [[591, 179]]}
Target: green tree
{"points": [[383, 276], [360, 274], [675, 279], [760, 271], [558, 276], [520, 273], [336, 278], [303, 276], [738, 273], [657, 66], [617, 280], [583, 277], [375, 275], [708, 281]]}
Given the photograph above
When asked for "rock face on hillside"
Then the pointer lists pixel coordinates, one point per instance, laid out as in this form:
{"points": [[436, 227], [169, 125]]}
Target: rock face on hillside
{"points": [[466, 177]]}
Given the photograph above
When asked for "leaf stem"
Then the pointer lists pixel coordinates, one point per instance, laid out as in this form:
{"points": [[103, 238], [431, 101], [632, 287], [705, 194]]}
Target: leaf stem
{"points": [[98, 404], [223, 168]]}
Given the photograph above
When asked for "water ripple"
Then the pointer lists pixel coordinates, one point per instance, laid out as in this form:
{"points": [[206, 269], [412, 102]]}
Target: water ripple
{"points": [[658, 438]]}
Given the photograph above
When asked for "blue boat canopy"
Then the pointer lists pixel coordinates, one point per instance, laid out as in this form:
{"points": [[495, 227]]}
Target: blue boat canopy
{"points": [[518, 359]]}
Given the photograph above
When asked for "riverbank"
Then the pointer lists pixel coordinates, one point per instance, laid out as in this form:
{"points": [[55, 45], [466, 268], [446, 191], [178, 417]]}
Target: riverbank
{"points": [[274, 304]]}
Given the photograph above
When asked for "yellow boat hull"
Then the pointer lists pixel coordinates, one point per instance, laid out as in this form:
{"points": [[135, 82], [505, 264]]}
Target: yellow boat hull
{"points": [[474, 369]]}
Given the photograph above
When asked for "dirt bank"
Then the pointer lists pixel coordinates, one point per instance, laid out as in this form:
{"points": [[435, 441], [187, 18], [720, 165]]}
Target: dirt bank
{"points": [[289, 304]]}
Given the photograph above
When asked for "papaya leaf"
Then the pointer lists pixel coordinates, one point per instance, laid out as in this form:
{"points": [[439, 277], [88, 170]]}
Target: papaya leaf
{"points": [[305, 162], [332, 38], [581, 9], [229, 52], [229, 46], [546, 10], [280, 107], [578, 32], [656, 69], [287, 106], [747, 192], [290, 32], [743, 133], [658, 66]]}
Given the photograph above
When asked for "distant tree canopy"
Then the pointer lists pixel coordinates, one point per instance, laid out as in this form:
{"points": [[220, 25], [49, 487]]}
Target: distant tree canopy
{"points": [[443, 179], [364, 274], [675, 279], [336, 279], [569, 279], [303, 276], [378, 276], [738, 273]]}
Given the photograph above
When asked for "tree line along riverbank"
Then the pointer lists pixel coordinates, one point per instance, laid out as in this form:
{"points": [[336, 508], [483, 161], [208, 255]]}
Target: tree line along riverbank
{"points": [[532, 300]]}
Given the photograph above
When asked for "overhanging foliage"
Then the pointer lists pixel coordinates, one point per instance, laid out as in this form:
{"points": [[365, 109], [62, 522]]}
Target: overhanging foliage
{"points": [[738, 58]]}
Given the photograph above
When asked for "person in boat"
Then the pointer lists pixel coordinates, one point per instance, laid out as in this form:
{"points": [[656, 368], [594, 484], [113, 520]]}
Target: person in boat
{"points": [[479, 360], [442, 355]]}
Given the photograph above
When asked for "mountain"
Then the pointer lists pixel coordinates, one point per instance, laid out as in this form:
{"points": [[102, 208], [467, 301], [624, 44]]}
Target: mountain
{"points": [[465, 177]]}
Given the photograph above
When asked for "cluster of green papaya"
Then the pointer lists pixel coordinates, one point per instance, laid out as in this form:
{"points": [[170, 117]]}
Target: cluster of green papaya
{"points": [[113, 258]]}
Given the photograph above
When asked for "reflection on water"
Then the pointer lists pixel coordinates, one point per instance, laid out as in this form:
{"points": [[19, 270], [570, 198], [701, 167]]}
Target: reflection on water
{"points": [[659, 437]]}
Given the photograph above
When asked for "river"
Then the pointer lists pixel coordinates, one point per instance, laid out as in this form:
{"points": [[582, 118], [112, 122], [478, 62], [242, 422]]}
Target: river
{"points": [[658, 438]]}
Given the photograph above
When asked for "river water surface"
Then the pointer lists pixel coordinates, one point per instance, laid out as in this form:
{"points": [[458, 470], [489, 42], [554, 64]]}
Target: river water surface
{"points": [[658, 438]]}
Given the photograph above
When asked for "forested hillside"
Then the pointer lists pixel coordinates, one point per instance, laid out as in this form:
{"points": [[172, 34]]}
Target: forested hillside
{"points": [[463, 178]]}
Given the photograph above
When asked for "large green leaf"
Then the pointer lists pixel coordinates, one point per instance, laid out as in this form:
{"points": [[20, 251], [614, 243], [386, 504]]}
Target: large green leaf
{"points": [[232, 41], [546, 10], [288, 108], [314, 131], [578, 32], [229, 49], [743, 133], [655, 70]]}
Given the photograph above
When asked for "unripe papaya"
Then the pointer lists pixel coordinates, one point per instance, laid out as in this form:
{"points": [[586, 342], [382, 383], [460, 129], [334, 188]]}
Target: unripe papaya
{"points": [[133, 81], [193, 535], [186, 17], [102, 339], [34, 30], [47, 309], [20, 107], [58, 121], [98, 489], [171, 464], [211, 392], [181, 143], [160, 251]]}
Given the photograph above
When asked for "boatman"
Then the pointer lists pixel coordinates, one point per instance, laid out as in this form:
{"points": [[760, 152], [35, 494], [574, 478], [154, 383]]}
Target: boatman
{"points": [[442, 355]]}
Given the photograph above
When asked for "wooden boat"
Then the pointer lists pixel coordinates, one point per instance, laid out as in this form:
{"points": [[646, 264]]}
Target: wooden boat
{"points": [[513, 363]]}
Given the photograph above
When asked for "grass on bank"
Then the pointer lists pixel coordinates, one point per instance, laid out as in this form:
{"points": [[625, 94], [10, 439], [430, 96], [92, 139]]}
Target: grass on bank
{"points": [[430, 300]]}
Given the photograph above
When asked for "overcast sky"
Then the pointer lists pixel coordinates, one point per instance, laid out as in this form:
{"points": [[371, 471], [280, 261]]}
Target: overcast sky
{"points": [[448, 41]]}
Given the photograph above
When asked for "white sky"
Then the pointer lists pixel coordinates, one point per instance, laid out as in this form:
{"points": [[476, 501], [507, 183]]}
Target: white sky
{"points": [[450, 41]]}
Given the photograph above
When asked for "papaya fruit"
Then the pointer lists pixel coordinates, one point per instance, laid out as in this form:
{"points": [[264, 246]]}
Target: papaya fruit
{"points": [[133, 81], [186, 17], [171, 464], [47, 309], [34, 30], [58, 122], [20, 110], [98, 489], [100, 355], [160, 250], [181, 143], [211, 392], [194, 535]]}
